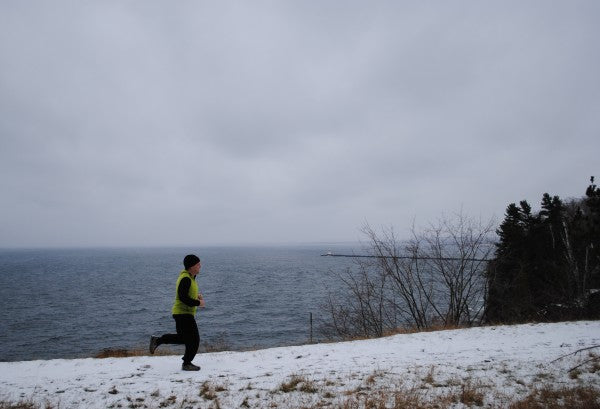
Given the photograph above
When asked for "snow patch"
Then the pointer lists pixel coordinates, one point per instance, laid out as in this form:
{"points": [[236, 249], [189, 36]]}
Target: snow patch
{"points": [[503, 359]]}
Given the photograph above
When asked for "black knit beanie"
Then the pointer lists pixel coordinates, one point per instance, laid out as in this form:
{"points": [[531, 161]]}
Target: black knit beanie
{"points": [[190, 260]]}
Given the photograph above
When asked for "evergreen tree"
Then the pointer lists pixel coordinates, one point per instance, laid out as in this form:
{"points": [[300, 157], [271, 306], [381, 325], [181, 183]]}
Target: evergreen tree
{"points": [[591, 234], [546, 263], [508, 295]]}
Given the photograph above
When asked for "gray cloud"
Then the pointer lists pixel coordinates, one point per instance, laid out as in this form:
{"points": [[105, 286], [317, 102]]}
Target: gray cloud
{"points": [[150, 123]]}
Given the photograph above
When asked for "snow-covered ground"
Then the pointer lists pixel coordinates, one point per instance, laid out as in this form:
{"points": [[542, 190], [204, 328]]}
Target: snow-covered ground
{"points": [[503, 362]]}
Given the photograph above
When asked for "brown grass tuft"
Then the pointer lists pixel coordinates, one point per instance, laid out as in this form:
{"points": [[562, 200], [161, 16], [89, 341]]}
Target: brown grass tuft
{"points": [[471, 395], [298, 383], [291, 385], [578, 397], [308, 387], [168, 402], [429, 378], [207, 391]]}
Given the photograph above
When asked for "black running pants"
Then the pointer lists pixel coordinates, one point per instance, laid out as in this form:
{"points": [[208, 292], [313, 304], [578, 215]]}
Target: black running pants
{"points": [[187, 333]]}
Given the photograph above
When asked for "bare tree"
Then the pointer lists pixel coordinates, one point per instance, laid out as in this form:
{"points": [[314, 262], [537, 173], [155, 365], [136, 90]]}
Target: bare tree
{"points": [[363, 311], [454, 254], [435, 277]]}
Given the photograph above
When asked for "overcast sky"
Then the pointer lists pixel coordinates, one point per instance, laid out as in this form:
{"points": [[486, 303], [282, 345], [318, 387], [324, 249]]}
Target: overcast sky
{"points": [[234, 122]]}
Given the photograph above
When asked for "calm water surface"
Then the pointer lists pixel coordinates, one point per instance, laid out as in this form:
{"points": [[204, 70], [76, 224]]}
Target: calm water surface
{"points": [[74, 303]]}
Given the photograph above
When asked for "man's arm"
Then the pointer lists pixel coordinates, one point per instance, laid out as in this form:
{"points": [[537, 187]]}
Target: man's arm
{"points": [[182, 292]]}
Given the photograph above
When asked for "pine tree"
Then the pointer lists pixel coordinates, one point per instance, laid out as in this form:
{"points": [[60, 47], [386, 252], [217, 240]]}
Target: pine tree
{"points": [[591, 234], [508, 289], [546, 263]]}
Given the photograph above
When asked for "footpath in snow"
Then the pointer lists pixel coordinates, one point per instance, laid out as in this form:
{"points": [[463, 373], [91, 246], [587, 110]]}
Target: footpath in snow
{"points": [[503, 362]]}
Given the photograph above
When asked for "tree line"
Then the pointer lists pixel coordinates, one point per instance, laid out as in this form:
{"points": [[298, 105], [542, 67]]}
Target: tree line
{"points": [[547, 263], [536, 266]]}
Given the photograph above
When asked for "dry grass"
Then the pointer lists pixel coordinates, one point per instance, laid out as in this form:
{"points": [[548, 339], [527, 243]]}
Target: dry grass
{"points": [[308, 387], [578, 397], [218, 344], [373, 377], [469, 395], [209, 391], [25, 404], [381, 399], [292, 384], [395, 331], [168, 402], [245, 403], [126, 353], [19, 405], [432, 328], [398, 331], [429, 378], [298, 384]]}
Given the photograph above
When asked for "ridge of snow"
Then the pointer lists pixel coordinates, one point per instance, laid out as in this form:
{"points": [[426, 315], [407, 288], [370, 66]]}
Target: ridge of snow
{"points": [[509, 360]]}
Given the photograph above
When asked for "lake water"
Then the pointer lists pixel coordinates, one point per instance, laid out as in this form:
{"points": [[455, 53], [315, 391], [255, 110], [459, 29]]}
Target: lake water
{"points": [[71, 303]]}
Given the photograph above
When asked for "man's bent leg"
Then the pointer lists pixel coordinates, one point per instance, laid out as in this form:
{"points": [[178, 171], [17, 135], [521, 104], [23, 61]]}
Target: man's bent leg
{"points": [[164, 339], [170, 339]]}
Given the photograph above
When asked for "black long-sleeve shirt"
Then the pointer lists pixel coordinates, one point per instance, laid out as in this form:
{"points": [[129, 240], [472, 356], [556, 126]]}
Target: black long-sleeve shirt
{"points": [[183, 290]]}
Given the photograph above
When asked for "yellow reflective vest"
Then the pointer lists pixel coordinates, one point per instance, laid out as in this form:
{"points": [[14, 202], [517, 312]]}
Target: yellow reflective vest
{"points": [[178, 306]]}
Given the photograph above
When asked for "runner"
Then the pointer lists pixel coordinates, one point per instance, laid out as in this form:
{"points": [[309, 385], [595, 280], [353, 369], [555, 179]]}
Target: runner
{"points": [[187, 299]]}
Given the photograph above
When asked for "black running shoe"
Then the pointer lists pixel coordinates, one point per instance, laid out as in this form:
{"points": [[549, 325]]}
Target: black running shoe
{"points": [[153, 343], [190, 367]]}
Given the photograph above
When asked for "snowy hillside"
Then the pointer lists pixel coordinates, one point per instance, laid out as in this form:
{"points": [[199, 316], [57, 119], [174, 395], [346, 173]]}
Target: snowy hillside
{"points": [[500, 363]]}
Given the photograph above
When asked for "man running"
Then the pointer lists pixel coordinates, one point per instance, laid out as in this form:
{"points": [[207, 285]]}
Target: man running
{"points": [[187, 299]]}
